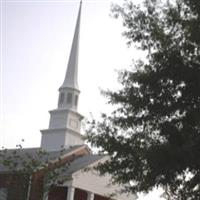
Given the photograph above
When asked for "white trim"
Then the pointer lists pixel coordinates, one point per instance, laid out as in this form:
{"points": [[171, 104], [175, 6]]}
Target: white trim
{"points": [[90, 196], [29, 187], [70, 193], [59, 110], [3, 193], [46, 131]]}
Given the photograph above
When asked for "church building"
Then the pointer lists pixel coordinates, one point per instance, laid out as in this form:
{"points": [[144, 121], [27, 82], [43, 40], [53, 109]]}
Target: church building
{"points": [[63, 135]]}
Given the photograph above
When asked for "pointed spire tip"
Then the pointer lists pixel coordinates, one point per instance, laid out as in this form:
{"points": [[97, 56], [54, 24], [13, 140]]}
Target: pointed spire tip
{"points": [[72, 68]]}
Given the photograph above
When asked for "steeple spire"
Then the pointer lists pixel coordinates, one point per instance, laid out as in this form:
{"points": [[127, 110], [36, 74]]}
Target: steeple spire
{"points": [[71, 76], [65, 122]]}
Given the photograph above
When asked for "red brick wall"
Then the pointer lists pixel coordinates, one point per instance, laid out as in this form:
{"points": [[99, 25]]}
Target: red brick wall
{"points": [[36, 192], [98, 197], [80, 194], [37, 183], [58, 193], [15, 184]]}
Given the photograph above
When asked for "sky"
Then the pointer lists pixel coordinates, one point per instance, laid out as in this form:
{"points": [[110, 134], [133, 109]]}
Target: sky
{"points": [[36, 41], [36, 38]]}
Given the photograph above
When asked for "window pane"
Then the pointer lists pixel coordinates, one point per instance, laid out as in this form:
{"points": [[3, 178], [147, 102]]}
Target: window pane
{"points": [[69, 98], [76, 100], [62, 96]]}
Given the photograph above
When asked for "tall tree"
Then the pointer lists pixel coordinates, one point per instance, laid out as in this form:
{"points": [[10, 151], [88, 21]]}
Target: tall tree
{"points": [[153, 135]]}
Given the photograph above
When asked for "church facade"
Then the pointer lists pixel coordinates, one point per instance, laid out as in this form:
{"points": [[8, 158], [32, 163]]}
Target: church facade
{"points": [[65, 147]]}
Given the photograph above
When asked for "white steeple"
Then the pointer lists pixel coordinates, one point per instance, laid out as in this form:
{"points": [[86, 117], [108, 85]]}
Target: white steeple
{"points": [[65, 121], [72, 69]]}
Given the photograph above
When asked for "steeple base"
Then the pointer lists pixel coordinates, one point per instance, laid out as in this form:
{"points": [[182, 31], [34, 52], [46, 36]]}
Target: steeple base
{"points": [[58, 139]]}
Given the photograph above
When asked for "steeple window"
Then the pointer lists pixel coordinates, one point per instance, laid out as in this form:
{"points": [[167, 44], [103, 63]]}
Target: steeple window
{"points": [[76, 100], [69, 98], [61, 98]]}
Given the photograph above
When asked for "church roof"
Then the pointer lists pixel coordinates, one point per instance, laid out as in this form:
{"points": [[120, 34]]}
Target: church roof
{"points": [[83, 162], [28, 155]]}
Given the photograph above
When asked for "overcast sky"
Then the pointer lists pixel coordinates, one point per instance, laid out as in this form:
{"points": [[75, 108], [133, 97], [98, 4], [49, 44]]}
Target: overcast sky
{"points": [[36, 38], [36, 41]]}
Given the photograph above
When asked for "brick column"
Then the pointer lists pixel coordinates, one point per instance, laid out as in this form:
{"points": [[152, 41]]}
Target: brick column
{"points": [[70, 193]]}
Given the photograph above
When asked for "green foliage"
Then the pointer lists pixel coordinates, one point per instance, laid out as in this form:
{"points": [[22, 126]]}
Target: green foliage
{"points": [[20, 165], [153, 136]]}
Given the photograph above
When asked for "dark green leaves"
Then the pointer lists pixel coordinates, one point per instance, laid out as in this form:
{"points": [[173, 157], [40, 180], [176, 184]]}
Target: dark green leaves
{"points": [[153, 135]]}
